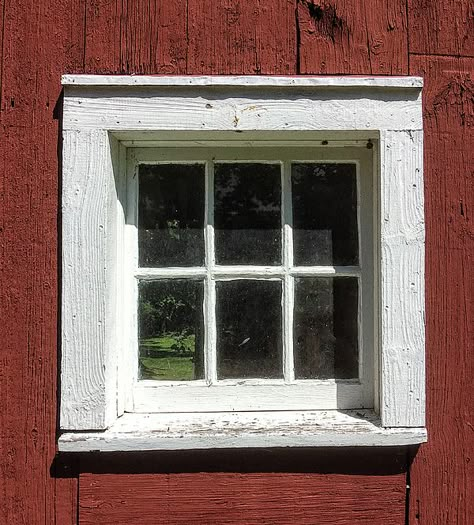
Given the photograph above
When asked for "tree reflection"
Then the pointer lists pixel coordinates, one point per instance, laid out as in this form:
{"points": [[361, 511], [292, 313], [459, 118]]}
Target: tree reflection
{"points": [[171, 215], [171, 329], [248, 213]]}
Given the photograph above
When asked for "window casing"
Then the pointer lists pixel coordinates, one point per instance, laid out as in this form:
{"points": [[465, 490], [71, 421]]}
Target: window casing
{"points": [[111, 125]]}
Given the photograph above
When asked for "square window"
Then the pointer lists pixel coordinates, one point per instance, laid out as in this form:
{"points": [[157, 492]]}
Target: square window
{"points": [[285, 320], [244, 268]]}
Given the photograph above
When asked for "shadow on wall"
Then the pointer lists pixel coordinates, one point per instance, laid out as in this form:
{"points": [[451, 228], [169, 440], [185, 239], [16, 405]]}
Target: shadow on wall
{"points": [[349, 461]]}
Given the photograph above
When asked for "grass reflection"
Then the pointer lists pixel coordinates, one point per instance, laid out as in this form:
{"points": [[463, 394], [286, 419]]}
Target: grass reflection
{"points": [[169, 357]]}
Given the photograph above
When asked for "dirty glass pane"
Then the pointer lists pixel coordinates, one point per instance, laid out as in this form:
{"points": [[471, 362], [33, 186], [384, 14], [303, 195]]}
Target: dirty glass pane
{"points": [[247, 213], [324, 214], [249, 329], [326, 328], [171, 215], [171, 331]]}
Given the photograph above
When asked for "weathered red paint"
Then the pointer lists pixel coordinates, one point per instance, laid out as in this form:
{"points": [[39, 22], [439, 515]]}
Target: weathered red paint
{"points": [[353, 37], [41, 41], [441, 28], [442, 476], [241, 37], [221, 498]]}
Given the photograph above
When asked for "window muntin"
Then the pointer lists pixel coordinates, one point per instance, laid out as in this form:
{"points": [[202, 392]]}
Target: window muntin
{"points": [[295, 297]]}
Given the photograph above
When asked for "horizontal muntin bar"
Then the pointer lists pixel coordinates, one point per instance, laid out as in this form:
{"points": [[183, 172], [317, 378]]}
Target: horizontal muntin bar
{"points": [[170, 273], [246, 271], [323, 271]]}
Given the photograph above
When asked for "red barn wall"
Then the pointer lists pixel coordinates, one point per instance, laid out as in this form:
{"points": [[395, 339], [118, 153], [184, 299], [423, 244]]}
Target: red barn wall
{"points": [[40, 41]]}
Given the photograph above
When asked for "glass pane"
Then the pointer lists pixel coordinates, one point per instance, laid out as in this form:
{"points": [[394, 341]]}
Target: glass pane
{"points": [[248, 213], [171, 330], [325, 328], [324, 214], [171, 215], [249, 329]]}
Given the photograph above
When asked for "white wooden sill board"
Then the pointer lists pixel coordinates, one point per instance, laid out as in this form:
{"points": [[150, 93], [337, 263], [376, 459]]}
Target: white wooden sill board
{"points": [[186, 431]]}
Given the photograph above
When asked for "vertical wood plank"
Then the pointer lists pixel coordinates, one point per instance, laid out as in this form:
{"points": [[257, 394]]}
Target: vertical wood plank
{"points": [[142, 37], [250, 498], [65, 472], [2, 23], [442, 28], [443, 471], [241, 37], [41, 40], [402, 282], [66, 508], [352, 37], [102, 37], [153, 37], [89, 205]]}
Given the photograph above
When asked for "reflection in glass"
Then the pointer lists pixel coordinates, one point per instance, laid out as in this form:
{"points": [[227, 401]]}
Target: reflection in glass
{"points": [[247, 213], [171, 330], [171, 215], [324, 214], [249, 329], [326, 328]]}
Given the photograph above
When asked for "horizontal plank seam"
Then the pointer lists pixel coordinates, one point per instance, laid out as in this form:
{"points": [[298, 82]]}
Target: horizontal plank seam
{"points": [[442, 55]]}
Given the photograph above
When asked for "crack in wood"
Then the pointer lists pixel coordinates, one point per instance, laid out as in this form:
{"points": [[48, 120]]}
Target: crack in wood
{"points": [[458, 93], [326, 20]]}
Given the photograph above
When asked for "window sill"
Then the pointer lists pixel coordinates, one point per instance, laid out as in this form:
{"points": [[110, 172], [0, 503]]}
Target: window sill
{"points": [[139, 432]]}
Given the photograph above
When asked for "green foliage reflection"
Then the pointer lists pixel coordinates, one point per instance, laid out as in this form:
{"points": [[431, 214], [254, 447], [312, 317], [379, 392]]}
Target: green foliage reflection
{"points": [[170, 322]]}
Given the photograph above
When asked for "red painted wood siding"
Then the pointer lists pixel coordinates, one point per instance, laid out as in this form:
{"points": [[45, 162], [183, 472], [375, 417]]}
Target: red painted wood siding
{"points": [[42, 40], [221, 498], [443, 472], [441, 28], [353, 37]]}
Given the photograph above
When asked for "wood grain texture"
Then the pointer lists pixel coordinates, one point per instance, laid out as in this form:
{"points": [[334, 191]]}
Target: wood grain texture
{"points": [[352, 37], [442, 477], [153, 37], [242, 109], [88, 240], [89, 337], [441, 28], [240, 81], [402, 279], [2, 22], [102, 37], [246, 498], [42, 40], [235, 398], [33, 33], [241, 37], [66, 474], [215, 37], [244, 430], [140, 37]]}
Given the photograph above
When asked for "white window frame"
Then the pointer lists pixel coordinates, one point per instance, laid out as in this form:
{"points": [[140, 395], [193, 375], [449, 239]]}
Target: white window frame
{"points": [[233, 395], [106, 116]]}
